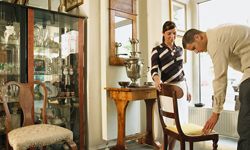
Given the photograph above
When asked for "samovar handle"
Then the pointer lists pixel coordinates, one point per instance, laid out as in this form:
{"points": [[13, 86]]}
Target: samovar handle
{"points": [[126, 64]]}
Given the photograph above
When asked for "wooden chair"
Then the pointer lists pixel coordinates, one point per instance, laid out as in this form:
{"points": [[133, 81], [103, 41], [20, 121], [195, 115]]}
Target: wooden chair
{"points": [[30, 135], [184, 133]]}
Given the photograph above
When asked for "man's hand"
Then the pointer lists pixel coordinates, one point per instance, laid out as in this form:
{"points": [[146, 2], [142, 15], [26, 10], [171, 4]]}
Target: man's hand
{"points": [[211, 122]]}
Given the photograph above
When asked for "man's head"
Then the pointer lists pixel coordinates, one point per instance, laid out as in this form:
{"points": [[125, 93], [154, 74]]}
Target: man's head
{"points": [[195, 40]]}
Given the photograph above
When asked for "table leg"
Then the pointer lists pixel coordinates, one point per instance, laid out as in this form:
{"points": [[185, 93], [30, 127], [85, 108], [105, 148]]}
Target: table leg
{"points": [[121, 106], [149, 126]]}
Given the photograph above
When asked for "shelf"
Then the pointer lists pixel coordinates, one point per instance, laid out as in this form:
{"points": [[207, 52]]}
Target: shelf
{"points": [[8, 74], [3, 44], [46, 52], [10, 101], [44, 74], [62, 97]]}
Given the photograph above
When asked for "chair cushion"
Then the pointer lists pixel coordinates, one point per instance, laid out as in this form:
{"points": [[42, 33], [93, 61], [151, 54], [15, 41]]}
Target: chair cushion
{"points": [[37, 135], [188, 129]]}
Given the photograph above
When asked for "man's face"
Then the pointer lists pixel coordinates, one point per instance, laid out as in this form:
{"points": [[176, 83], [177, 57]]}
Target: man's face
{"points": [[199, 45]]}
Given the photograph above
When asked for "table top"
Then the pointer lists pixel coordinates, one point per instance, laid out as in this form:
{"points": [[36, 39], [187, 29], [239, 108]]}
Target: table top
{"points": [[131, 94], [130, 89]]}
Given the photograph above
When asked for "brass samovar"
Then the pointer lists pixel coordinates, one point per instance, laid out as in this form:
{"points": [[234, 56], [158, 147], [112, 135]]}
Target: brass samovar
{"points": [[134, 65]]}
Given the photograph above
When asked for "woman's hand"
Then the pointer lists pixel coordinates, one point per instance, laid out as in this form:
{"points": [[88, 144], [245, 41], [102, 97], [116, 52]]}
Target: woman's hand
{"points": [[189, 97], [157, 81]]}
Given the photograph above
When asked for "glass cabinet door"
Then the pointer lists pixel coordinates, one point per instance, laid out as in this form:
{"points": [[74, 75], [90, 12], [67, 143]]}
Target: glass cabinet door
{"points": [[56, 63], [12, 57], [12, 51]]}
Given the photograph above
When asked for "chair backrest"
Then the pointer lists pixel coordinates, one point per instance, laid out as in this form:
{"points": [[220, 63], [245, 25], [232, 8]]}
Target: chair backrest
{"points": [[14, 92], [175, 93]]}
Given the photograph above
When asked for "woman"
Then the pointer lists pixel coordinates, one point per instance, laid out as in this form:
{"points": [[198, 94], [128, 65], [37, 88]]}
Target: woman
{"points": [[168, 58]]}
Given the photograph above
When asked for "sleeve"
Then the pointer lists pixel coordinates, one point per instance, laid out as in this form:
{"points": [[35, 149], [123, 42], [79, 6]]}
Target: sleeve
{"points": [[220, 63], [154, 62]]}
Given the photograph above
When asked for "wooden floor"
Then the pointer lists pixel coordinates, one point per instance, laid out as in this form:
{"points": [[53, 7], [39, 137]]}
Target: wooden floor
{"points": [[224, 144]]}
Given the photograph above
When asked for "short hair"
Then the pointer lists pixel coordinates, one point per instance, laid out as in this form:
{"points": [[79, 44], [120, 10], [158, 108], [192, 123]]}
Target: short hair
{"points": [[189, 37]]}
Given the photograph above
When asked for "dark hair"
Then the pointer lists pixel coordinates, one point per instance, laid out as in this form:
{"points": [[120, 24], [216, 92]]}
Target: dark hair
{"points": [[168, 25], [189, 37]]}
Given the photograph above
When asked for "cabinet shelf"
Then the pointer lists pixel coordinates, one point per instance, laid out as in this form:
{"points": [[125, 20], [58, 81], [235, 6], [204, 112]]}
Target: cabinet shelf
{"points": [[44, 51], [42, 73], [8, 74], [9, 44]]}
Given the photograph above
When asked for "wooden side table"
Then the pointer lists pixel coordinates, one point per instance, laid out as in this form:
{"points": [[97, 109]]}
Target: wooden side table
{"points": [[122, 96]]}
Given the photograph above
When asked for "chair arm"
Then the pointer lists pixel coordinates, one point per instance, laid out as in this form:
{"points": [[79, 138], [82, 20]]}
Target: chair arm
{"points": [[71, 144]]}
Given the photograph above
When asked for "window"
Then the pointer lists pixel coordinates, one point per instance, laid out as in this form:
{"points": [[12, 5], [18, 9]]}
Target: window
{"points": [[210, 14]]}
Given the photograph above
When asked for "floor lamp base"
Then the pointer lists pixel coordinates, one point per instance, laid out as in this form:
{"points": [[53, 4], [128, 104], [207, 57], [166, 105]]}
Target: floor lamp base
{"points": [[199, 105]]}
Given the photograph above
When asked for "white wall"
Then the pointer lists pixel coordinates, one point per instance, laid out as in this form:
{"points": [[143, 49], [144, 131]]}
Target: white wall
{"points": [[102, 111], [102, 116]]}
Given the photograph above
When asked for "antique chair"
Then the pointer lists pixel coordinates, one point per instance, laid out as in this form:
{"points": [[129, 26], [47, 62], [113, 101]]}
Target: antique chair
{"points": [[184, 133], [30, 135]]}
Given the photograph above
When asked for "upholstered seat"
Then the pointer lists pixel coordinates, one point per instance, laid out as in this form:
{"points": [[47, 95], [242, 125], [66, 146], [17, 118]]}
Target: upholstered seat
{"points": [[188, 129], [38, 135]]}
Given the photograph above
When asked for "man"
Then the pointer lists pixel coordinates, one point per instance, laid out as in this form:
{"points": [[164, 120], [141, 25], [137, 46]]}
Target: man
{"points": [[226, 45]]}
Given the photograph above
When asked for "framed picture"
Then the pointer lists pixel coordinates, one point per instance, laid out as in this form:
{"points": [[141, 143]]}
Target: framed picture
{"points": [[39, 66], [178, 42], [70, 4], [178, 14]]}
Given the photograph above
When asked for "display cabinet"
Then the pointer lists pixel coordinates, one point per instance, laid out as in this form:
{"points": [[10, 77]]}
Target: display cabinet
{"points": [[47, 46]]}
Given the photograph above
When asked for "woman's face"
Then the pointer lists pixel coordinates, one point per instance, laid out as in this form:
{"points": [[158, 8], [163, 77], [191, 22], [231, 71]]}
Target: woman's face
{"points": [[170, 36]]}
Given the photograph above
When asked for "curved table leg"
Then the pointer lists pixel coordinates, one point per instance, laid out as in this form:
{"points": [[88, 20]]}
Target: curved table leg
{"points": [[121, 106], [149, 126]]}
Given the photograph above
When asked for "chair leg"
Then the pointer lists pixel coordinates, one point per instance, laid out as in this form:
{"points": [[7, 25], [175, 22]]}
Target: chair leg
{"points": [[191, 145], [215, 144], [182, 145], [71, 144], [8, 147], [165, 146]]}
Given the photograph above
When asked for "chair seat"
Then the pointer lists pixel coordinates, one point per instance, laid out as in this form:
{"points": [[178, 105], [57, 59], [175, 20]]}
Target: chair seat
{"points": [[189, 129], [37, 135]]}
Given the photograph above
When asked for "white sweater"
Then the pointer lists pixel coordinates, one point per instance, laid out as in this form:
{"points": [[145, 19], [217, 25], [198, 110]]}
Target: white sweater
{"points": [[228, 45]]}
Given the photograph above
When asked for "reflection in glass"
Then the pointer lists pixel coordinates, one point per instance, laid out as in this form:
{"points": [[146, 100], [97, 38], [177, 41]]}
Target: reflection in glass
{"points": [[123, 32], [55, 64], [9, 44]]}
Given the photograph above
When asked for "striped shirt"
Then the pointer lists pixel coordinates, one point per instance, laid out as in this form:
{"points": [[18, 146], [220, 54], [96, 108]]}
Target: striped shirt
{"points": [[169, 62]]}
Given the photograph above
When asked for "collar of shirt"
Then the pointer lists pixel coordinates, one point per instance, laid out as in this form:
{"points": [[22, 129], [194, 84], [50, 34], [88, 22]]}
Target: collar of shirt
{"points": [[165, 46]]}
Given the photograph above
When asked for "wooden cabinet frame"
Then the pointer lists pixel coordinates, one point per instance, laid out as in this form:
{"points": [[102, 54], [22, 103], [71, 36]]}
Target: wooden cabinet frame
{"points": [[81, 72]]}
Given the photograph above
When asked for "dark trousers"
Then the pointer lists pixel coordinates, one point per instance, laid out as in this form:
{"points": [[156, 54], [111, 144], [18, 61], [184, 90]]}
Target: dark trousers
{"points": [[244, 116]]}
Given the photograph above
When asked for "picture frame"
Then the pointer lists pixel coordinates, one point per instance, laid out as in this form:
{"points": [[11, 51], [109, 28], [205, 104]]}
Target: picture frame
{"points": [[39, 66], [71, 4], [178, 14], [178, 42]]}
